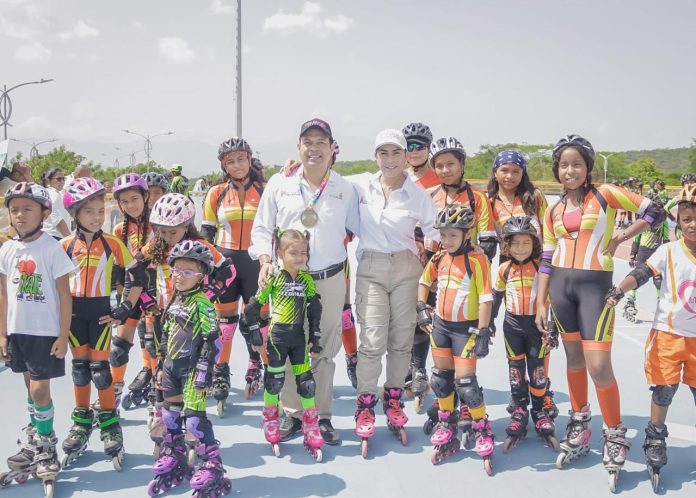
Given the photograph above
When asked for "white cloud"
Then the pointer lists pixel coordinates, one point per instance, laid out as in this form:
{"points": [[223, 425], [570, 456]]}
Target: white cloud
{"points": [[220, 7], [176, 50], [311, 19], [32, 52], [80, 31], [21, 20]]}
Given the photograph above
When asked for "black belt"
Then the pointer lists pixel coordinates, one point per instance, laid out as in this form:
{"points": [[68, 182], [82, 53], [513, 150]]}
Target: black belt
{"points": [[328, 272]]}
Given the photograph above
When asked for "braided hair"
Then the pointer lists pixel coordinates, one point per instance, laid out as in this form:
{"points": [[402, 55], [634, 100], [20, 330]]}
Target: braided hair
{"points": [[281, 239]]}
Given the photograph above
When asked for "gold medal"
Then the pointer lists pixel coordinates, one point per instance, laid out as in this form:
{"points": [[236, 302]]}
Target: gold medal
{"points": [[309, 217]]}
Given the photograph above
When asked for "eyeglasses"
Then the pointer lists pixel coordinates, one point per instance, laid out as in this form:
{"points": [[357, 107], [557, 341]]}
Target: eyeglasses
{"points": [[178, 272], [413, 147]]}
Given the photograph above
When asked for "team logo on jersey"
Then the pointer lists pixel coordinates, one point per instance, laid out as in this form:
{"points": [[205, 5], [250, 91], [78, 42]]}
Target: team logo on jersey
{"points": [[29, 282], [687, 295]]}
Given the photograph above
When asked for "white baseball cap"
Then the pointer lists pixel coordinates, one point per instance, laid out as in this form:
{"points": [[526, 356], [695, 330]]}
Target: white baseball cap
{"points": [[390, 136]]}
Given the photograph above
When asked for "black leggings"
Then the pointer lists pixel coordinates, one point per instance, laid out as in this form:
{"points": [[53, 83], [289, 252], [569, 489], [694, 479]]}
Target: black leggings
{"points": [[525, 351]]}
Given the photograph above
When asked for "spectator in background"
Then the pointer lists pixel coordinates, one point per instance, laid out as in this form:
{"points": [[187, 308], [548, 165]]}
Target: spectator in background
{"points": [[201, 185], [81, 171], [58, 223], [20, 172]]}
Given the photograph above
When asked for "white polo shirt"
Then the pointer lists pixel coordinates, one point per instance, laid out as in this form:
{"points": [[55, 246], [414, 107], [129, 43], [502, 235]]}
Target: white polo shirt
{"points": [[283, 200], [390, 228]]}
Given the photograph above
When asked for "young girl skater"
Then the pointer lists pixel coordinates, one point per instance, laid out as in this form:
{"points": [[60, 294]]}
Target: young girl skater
{"points": [[187, 356], [524, 345], [459, 332], [291, 293]]}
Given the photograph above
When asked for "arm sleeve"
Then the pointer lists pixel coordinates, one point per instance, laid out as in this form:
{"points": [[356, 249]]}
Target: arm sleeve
{"points": [[621, 198], [550, 243], [484, 223], [483, 278], [542, 205], [210, 217], [264, 222], [429, 274], [500, 283], [208, 321]]}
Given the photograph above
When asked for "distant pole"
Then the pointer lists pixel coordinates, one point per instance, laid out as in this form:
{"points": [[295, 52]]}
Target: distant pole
{"points": [[239, 69], [606, 164], [6, 103]]}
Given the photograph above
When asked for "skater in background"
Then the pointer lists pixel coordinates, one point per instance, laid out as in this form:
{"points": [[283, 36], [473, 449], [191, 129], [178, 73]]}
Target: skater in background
{"points": [[576, 273], [157, 186], [670, 349], [292, 294], [526, 351], [459, 333], [187, 355], [98, 256], [229, 211], [387, 280], [35, 311]]}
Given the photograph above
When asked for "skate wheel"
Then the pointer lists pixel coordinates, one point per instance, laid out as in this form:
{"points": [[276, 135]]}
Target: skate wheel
{"points": [[178, 478], [403, 437], [418, 401], [4, 482], [508, 444], [192, 457], [221, 408], [318, 455], [166, 484], [248, 391], [127, 402], [21, 479], [363, 448], [553, 443], [153, 488], [654, 479], [435, 458], [488, 465], [276, 449], [613, 480], [428, 427], [48, 489], [561, 460], [117, 462], [226, 486]]}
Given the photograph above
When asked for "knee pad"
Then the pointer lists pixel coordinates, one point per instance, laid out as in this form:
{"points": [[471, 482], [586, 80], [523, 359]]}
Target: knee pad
{"points": [[662, 395], [227, 327], [539, 379], [306, 387], [442, 382], [80, 373], [469, 391], [171, 413], [273, 381], [518, 382], [198, 424], [118, 356], [101, 374]]}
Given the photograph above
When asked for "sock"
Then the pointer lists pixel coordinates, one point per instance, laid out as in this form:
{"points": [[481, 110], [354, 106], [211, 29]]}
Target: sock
{"points": [[307, 402], [44, 419], [82, 395], [577, 385], [119, 373], [350, 340], [446, 404], [107, 399], [225, 352], [30, 409], [270, 399], [479, 412], [609, 403]]}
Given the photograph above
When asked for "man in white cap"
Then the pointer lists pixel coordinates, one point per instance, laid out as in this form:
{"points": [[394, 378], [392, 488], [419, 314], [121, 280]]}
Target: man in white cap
{"points": [[389, 268], [310, 196]]}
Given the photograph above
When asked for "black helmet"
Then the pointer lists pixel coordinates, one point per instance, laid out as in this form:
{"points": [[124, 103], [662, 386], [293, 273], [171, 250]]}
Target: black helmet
{"points": [[688, 178], [455, 216], [519, 225], [418, 132], [154, 179], [584, 147], [232, 145], [192, 249]]}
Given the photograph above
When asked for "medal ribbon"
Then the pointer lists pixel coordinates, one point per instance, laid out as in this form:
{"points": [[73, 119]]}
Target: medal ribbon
{"points": [[320, 190]]}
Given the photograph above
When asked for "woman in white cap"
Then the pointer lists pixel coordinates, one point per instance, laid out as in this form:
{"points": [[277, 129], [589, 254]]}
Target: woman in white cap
{"points": [[390, 206]]}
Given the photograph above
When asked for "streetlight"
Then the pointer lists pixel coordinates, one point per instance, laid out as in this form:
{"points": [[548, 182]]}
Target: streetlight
{"points": [[131, 155], [148, 143], [6, 102], [606, 164], [239, 69], [34, 151]]}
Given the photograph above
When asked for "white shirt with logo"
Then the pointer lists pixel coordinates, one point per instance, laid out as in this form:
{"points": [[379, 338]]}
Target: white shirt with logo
{"points": [[676, 307], [31, 270]]}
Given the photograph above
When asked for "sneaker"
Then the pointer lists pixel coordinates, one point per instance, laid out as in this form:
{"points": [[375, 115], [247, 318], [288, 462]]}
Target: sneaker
{"points": [[289, 428], [328, 432]]}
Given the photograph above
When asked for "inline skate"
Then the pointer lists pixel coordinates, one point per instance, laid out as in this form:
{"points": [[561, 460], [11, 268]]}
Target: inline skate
{"points": [[271, 427], [138, 390], [78, 436], [21, 464], [46, 461], [545, 428], [616, 448], [482, 434], [394, 410], [419, 386], [445, 437], [655, 448], [365, 420], [629, 310], [254, 378], [221, 386], [576, 442], [313, 441], [432, 418], [171, 467], [351, 368], [517, 428], [209, 480], [112, 437]]}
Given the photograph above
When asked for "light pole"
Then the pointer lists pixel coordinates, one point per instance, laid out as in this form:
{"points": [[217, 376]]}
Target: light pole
{"points": [[34, 151], [6, 102], [606, 164], [238, 92], [148, 143]]}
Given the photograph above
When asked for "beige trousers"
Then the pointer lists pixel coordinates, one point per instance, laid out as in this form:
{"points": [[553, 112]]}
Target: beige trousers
{"points": [[333, 294], [386, 289]]}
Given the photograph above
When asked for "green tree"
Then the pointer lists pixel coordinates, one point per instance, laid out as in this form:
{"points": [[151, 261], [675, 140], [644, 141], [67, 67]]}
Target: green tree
{"points": [[645, 170], [59, 157]]}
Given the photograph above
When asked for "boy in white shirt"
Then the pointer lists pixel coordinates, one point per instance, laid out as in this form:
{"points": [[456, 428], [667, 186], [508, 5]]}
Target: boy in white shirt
{"points": [[35, 313], [670, 351]]}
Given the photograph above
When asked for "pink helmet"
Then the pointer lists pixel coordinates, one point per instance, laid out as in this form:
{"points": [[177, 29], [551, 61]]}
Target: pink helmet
{"points": [[173, 210], [79, 191], [129, 181], [31, 191]]}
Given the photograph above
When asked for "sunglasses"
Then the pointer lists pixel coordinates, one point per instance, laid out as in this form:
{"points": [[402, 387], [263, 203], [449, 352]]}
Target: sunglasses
{"points": [[178, 272], [413, 147]]}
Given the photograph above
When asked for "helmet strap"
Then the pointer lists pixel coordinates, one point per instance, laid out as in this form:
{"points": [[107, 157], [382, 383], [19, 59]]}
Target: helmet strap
{"points": [[418, 168], [29, 235]]}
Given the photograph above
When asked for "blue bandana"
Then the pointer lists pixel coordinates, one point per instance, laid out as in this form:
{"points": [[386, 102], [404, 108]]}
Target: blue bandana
{"points": [[507, 157]]}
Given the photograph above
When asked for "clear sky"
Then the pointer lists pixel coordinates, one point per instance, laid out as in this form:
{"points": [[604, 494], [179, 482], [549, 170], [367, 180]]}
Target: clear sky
{"points": [[621, 73]]}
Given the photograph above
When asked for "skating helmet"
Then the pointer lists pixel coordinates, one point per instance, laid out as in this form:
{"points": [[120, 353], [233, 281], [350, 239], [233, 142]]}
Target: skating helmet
{"points": [[447, 144], [156, 180], [583, 146], [193, 249], [519, 225], [29, 190], [129, 181], [176, 169], [688, 178], [455, 216], [233, 144], [418, 132], [173, 210], [79, 191]]}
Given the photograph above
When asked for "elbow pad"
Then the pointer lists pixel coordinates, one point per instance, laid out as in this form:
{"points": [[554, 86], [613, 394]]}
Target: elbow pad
{"points": [[489, 246], [497, 301], [654, 215], [138, 275], [119, 275], [314, 313], [208, 232], [641, 273]]}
